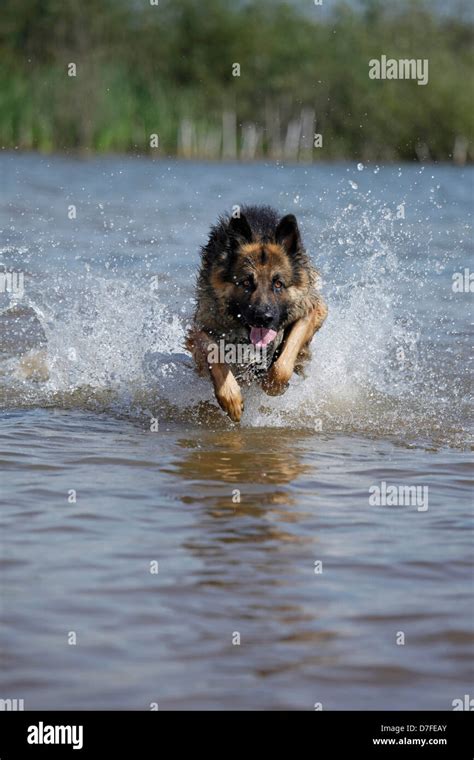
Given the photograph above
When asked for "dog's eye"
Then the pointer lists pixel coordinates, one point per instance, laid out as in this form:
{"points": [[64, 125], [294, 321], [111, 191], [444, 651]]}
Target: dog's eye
{"points": [[278, 284], [247, 283]]}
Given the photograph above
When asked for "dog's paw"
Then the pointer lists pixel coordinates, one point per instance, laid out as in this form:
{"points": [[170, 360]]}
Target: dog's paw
{"points": [[230, 399], [276, 381]]}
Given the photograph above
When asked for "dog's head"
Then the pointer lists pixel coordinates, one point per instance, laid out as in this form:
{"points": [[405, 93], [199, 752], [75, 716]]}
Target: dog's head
{"points": [[258, 272]]}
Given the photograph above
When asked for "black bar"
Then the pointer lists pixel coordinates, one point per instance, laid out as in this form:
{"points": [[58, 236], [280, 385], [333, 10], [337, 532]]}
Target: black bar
{"points": [[306, 734]]}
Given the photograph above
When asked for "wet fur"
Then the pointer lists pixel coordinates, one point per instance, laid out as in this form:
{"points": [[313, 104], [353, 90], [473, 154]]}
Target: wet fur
{"points": [[262, 245]]}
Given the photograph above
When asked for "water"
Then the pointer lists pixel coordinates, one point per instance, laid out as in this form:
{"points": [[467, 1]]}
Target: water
{"points": [[235, 516]]}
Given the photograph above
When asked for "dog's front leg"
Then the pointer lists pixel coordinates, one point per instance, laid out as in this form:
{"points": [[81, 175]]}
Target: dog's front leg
{"points": [[226, 387], [300, 334], [227, 391]]}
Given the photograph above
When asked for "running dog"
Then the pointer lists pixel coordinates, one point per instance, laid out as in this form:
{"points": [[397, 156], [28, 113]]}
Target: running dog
{"points": [[257, 291]]}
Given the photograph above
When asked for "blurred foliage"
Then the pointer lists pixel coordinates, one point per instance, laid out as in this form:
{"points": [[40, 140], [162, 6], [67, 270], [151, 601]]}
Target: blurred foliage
{"points": [[143, 68]]}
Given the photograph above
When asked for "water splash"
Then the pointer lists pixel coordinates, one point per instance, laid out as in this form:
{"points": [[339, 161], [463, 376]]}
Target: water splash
{"points": [[112, 344]]}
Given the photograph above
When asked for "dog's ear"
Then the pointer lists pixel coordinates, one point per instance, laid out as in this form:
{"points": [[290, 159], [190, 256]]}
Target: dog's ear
{"points": [[225, 239], [240, 228], [287, 234]]}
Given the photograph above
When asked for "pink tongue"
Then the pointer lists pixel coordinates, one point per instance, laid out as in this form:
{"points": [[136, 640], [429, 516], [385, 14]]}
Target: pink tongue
{"points": [[261, 336]]}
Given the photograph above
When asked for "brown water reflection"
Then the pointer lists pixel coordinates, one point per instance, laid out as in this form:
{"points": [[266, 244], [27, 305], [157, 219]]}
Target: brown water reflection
{"points": [[249, 475], [255, 460]]}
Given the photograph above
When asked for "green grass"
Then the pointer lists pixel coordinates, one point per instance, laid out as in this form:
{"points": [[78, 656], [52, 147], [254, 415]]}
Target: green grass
{"points": [[141, 71]]}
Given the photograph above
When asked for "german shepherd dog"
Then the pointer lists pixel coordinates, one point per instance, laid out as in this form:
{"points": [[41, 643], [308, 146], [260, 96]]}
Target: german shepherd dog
{"points": [[257, 288]]}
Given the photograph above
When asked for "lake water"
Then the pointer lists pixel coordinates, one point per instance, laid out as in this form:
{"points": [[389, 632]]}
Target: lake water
{"points": [[155, 550]]}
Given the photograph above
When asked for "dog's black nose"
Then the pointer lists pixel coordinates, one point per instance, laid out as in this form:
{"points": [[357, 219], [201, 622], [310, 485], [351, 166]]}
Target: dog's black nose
{"points": [[263, 317]]}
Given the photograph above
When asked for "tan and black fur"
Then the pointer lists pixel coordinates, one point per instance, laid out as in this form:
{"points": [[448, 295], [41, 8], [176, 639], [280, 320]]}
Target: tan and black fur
{"points": [[255, 273]]}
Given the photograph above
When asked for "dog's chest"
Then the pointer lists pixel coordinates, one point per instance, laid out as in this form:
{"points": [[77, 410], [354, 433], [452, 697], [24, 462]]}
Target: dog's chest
{"points": [[249, 362]]}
